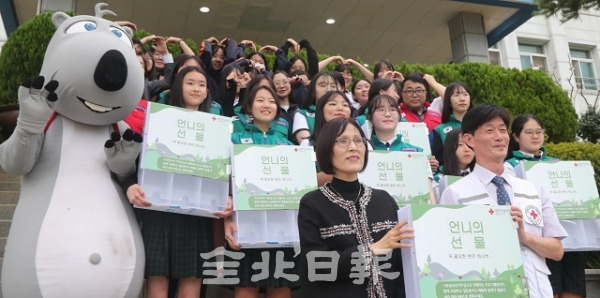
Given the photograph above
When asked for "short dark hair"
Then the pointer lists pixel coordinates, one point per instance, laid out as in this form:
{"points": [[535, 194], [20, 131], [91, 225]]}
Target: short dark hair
{"points": [[175, 97], [417, 77], [447, 110], [327, 139], [516, 128], [450, 161], [481, 114], [378, 101], [319, 117], [249, 99]]}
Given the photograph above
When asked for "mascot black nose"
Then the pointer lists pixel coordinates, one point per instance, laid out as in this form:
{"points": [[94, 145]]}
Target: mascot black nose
{"points": [[111, 71]]}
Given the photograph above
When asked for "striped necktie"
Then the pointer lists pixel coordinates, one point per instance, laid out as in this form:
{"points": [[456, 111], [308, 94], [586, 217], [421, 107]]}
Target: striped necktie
{"points": [[501, 192]]}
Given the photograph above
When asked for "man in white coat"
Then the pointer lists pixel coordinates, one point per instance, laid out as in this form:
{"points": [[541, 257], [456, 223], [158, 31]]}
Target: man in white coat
{"points": [[485, 130]]}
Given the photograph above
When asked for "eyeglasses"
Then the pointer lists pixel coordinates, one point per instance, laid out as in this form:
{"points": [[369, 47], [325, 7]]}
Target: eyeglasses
{"points": [[383, 111], [282, 83], [345, 142], [413, 92], [531, 133], [346, 74]]}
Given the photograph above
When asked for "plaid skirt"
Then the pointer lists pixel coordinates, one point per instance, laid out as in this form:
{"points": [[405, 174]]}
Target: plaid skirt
{"points": [[568, 274], [286, 269], [173, 243]]}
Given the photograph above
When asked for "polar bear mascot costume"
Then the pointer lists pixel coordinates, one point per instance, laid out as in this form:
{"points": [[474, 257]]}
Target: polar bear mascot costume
{"points": [[74, 233]]}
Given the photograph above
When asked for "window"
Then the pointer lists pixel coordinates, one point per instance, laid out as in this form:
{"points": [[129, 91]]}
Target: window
{"points": [[532, 56], [583, 66], [494, 55]]}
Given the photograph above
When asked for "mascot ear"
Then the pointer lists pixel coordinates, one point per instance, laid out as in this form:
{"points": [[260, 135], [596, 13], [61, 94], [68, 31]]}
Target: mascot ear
{"points": [[128, 31], [59, 17]]}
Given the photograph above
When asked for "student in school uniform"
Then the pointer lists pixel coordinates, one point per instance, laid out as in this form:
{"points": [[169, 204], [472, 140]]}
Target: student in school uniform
{"points": [[527, 143], [263, 105]]}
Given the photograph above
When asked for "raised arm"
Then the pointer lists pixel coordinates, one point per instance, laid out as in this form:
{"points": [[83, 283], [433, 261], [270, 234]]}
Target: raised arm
{"points": [[439, 88], [313, 59], [330, 59], [365, 71], [184, 47]]}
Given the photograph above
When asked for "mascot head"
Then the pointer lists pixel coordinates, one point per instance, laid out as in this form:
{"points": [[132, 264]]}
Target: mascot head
{"points": [[93, 60]]}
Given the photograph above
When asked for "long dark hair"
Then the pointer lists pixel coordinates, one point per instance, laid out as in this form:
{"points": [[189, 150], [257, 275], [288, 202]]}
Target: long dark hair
{"points": [[249, 56], [181, 59], [451, 166], [175, 97], [447, 110], [516, 128], [291, 96]]}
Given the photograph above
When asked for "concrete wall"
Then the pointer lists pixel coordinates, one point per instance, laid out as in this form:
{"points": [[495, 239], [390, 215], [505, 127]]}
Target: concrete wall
{"points": [[557, 37]]}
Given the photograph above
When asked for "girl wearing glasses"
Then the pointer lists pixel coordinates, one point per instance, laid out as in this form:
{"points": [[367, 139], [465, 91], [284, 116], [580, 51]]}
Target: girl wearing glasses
{"points": [[383, 113], [262, 104], [567, 276], [527, 140], [345, 219], [378, 87], [457, 101]]}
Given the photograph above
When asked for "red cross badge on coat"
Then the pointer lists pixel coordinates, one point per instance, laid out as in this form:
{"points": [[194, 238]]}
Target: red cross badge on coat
{"points": [[533, 215]]}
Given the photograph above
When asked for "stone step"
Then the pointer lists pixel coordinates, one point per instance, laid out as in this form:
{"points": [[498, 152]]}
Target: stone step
{"points": [[5, 177], [9, 197], [7, 211], [2, 245], [4, 227], [10, 186]]}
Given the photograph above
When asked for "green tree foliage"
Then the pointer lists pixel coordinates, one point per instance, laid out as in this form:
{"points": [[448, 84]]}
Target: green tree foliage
{"points": [[569, 9], [23, 54], [589, 126]]}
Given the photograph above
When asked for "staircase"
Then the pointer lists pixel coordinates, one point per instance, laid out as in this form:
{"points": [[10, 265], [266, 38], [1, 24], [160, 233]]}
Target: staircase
{"points": [[9, 195]]}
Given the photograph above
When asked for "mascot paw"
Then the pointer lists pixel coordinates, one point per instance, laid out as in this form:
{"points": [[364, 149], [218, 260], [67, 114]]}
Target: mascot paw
{"points": [[36, 104], [121, 153]]}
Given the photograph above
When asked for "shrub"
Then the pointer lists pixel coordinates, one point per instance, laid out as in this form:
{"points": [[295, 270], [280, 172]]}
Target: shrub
{"points": [[527, 91], [589, 126], [23, 54]]}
